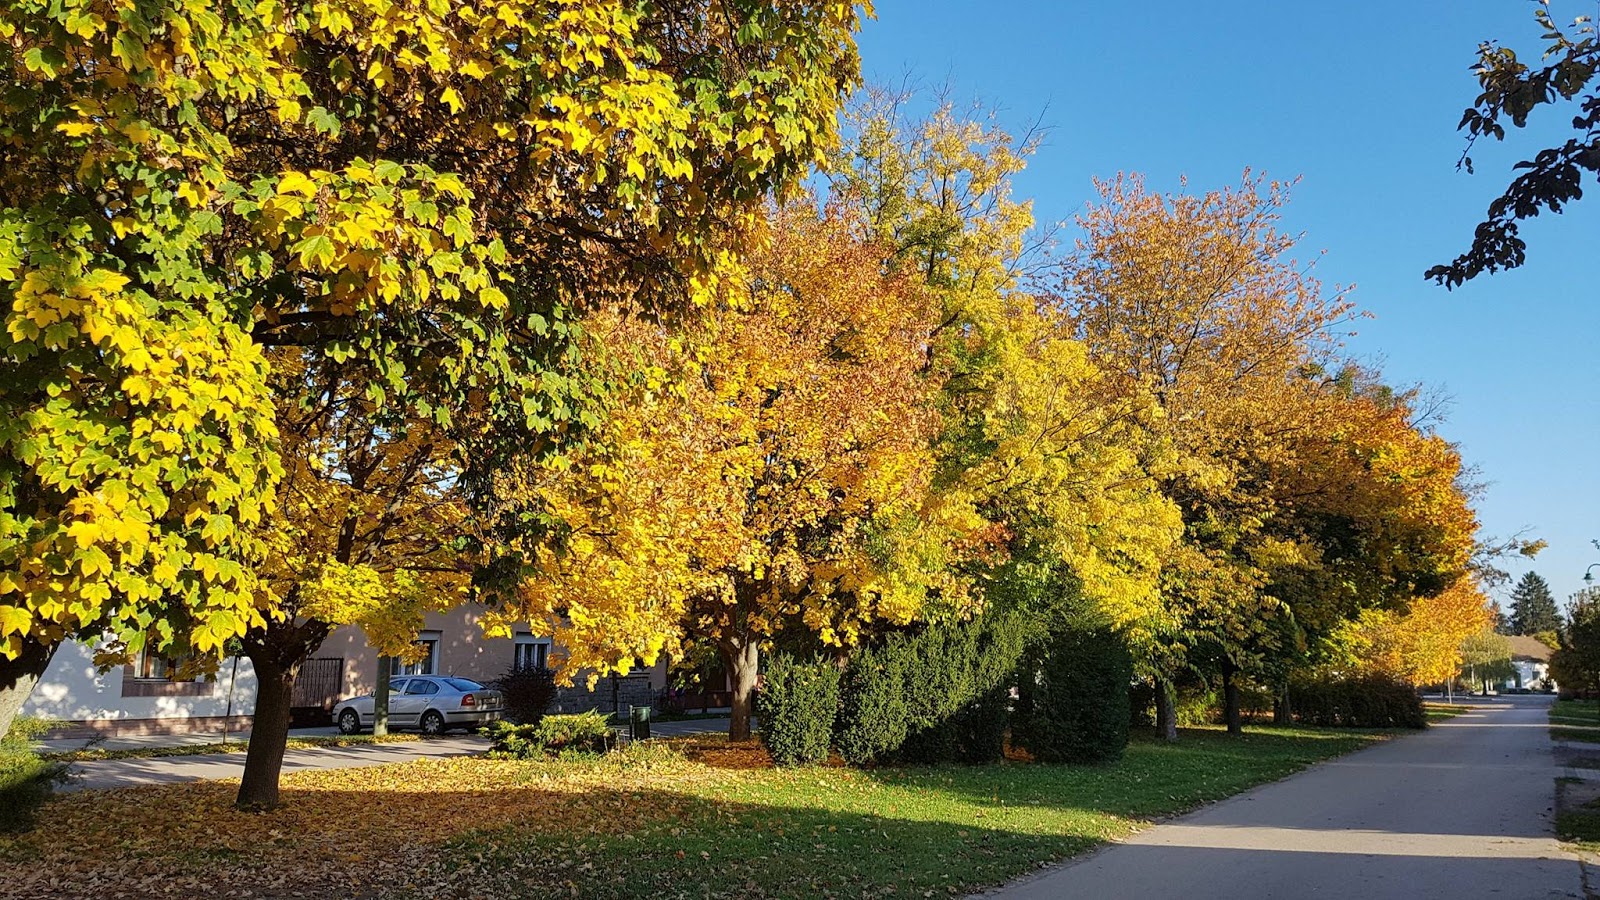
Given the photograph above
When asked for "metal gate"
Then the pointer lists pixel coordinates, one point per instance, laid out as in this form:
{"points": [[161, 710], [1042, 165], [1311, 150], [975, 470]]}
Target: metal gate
{"points": [[318, 684]]}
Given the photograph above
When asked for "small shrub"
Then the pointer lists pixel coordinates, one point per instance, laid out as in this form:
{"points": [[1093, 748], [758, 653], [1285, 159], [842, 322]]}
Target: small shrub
{"points": [[797, 707], [588, 732], [1370, 702], [26, 780], [1073, 698], [872, 703], [527, 694]]}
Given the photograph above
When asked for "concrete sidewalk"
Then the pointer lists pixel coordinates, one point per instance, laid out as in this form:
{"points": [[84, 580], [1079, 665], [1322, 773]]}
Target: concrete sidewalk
{"points": [[104, 774], [1461, 810]]}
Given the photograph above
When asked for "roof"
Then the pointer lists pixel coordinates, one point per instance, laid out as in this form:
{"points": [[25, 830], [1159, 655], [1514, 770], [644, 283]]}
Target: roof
{"points": [[1527, 647]]}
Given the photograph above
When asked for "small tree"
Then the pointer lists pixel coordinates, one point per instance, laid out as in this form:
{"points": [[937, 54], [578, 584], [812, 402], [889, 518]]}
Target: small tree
{"points": [[1577, 663], [1486, 657]]}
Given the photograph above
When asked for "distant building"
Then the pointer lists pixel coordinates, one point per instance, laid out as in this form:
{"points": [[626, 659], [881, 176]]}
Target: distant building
{"points": [[1531, 658]]}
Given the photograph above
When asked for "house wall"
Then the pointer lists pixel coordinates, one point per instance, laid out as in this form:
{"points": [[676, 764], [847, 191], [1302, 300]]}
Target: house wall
{"points": [[73, 690], [91, 702]]}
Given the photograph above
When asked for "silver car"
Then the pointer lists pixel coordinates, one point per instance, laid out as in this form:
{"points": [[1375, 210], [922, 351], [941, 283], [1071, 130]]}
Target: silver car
{"points": [[432, 703]]}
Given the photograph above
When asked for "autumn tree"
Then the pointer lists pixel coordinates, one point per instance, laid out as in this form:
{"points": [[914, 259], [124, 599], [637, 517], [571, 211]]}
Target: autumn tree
{"points": [[1566, 75], [771, 467], [1030, 430], [1533, 606], [1193, 301], [412, 202], [1422, 644]]}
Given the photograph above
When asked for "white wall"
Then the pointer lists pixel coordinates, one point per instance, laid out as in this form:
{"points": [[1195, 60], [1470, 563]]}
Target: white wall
{"points": [[72, 690]]}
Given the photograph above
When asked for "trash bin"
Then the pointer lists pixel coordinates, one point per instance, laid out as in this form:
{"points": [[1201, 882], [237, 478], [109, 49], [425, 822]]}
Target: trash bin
{"points": [[639, 723]]}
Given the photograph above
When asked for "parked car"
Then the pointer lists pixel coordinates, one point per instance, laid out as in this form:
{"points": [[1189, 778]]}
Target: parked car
{"points": [[433, 704]]}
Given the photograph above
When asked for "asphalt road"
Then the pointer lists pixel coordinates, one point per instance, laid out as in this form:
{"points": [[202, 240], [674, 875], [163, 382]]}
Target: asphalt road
{"points": [[1460, 811]]}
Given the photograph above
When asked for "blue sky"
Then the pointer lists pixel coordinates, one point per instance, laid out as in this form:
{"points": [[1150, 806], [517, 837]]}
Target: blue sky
{"points": [[1361, 100]]}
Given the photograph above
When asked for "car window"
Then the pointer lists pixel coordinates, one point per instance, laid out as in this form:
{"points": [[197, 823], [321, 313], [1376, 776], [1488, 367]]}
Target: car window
{"points": [[397, 685], [422, 686], [463, 684]]}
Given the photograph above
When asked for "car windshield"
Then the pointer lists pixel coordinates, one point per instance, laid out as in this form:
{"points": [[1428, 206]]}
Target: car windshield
{"points": [[462, 684]]}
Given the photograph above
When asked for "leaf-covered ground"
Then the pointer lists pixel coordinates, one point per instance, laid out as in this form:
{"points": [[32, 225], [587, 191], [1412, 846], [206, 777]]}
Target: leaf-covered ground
{"points": [[691, 818]]}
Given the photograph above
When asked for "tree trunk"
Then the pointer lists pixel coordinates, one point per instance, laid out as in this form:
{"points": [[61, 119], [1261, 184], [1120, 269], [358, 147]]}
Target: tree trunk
{"points": [[269, 732], [1282, 713], [740, 656], [380, 698], [276, 652], [1230, 699], [1166, 711], [18, 678]]}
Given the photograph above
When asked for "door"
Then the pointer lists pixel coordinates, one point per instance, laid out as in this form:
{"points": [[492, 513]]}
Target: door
{"points": [[403, 709], [419, 696]]}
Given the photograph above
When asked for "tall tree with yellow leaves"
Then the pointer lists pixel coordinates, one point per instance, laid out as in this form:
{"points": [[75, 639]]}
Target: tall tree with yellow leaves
{"points": [[771, 468], [417, 197]]}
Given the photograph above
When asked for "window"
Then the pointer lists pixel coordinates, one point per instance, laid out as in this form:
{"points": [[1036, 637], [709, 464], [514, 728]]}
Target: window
{"points": [[397, 685], [422, 686], [151, 674], [463, 684], [152, 666], [530, 653], [427, 665]]}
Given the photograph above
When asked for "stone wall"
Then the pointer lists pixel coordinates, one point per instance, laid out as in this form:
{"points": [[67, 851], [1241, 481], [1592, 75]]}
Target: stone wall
{"points": [[630, 690]]}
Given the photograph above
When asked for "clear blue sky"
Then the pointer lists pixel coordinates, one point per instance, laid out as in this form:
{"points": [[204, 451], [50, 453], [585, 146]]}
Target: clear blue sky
{"points": [[1361, 99]]}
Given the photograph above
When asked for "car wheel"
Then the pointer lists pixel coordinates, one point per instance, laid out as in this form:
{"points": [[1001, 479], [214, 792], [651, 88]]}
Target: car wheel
{"points": [[349, 722], [432, 723]]}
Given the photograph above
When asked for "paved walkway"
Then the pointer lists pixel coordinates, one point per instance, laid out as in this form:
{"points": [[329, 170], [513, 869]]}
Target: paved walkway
{"points": [[120, 773], [1460, 811]]}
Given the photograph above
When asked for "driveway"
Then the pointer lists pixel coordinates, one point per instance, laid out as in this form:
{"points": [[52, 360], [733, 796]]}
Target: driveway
{"points": [[1462, 810], [120, 773]]}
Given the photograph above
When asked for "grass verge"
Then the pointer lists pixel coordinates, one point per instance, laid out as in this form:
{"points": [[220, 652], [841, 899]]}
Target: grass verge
{"points": [[1578, 814], [1439, 712], [684, 818], [312, 742]]}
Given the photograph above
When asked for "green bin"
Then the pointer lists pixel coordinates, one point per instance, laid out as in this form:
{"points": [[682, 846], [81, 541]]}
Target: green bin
{"points": [[639, 723]]}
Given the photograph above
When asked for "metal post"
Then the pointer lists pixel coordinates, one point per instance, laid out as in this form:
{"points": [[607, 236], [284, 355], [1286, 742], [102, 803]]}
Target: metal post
{"points": [[228, 716]]}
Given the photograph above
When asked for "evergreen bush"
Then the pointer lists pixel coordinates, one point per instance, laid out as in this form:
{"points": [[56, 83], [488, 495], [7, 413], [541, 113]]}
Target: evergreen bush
{"points": [[872, 703], [1072, 701], [798, 704]]}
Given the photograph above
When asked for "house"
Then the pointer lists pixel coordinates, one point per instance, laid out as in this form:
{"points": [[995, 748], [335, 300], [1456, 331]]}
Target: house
{"points": [[145, 697], [1531, 659]]}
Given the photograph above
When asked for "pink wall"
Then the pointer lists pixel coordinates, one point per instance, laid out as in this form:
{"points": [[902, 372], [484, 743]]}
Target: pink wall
{"points": [[463, 650]]}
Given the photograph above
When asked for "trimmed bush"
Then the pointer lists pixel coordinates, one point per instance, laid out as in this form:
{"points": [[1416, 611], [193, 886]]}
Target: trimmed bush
{"points": [[1370, 702], [527, 694], [26, 781], [872, 703], [797, 707], [588, 732], [1072, 701]]}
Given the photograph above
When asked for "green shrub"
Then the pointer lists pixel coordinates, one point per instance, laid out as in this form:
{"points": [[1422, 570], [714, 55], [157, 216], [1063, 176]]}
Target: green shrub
{"points": [[527, 694], [797, 707], [1072, 703], [588, 732], [26, 781], [1371, 702], [872, 703]]}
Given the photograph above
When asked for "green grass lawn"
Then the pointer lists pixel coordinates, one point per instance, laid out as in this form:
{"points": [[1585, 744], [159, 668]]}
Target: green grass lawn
{"points": [[1578, 712], [902, 831], [1439, 712]]}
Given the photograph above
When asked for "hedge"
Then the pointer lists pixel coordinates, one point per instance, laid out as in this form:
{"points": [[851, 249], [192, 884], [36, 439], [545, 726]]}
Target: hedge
{"points": [[1072, 698], [798, 703], [1369, 702]]}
